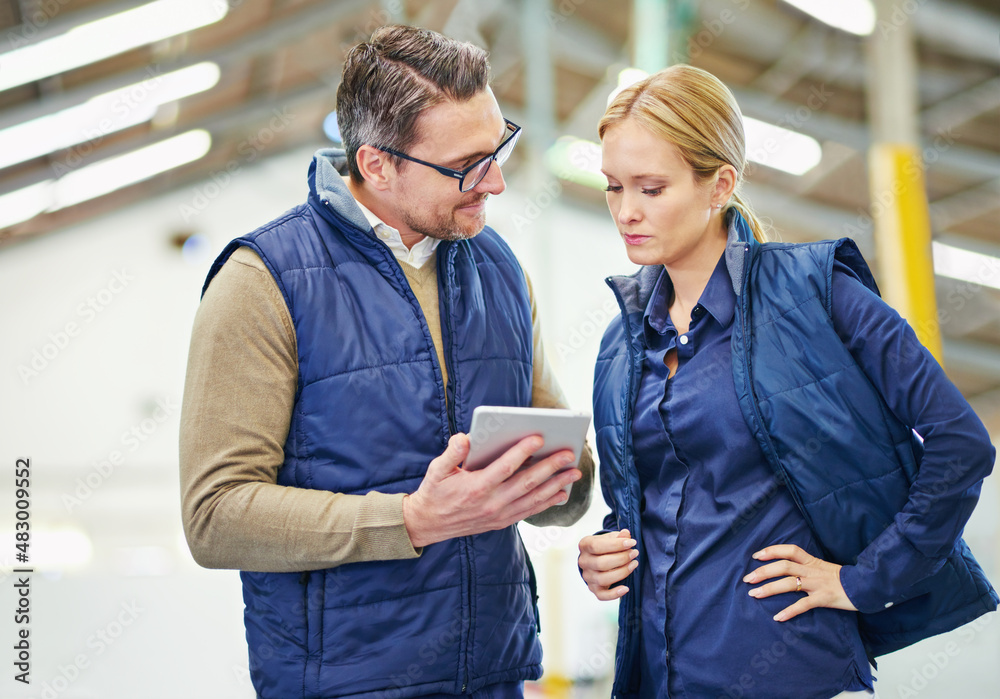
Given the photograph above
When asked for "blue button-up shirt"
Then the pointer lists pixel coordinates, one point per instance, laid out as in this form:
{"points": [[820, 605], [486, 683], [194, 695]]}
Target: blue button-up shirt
{"points": [[710, 500]]}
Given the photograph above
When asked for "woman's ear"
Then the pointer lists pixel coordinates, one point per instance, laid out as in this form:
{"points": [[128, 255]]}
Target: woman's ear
{"points": [[725, 185], [375, 167]]}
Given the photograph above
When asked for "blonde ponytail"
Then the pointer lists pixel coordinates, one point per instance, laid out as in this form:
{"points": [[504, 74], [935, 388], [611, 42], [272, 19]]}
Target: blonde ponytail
{"points": [[750, 216]]}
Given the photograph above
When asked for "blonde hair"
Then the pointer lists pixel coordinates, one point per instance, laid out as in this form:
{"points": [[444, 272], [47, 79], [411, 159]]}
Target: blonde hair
{"points": [[696, 112]]}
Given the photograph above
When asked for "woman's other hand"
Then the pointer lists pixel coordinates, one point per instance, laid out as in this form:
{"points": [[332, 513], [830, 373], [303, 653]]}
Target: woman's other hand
{"points": [[797, 571], [606, 559]]}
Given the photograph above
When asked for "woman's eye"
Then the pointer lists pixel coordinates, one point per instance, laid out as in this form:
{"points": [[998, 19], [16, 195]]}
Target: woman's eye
{"points": [[613, 188], [652, 192]]}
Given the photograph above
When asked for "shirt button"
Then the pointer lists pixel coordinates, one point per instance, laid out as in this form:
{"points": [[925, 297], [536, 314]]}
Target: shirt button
{"points": [[888, 604], [698, 310], [684, 339]]}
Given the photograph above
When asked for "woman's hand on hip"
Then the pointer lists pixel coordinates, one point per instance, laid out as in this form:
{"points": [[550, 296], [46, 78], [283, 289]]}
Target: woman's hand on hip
{"points": [[606, 559], [794, 570]]}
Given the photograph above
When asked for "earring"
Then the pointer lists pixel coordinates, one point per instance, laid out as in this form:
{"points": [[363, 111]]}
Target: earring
{"points": [[718, 206]]}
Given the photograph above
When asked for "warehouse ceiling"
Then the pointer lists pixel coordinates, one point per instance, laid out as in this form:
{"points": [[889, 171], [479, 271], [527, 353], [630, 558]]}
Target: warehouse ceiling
{"points": [[280, 61]]}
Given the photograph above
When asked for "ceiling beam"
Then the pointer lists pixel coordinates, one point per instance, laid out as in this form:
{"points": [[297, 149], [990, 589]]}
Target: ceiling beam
{"points": [[803, 220], [958, 29], [941, 150], [805, 53], [963, 107], [799, 220], [966, 205]]}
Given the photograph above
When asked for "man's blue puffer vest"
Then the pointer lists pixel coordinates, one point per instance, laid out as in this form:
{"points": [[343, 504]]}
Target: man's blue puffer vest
{"points": [[826, 431], [370, 414]]}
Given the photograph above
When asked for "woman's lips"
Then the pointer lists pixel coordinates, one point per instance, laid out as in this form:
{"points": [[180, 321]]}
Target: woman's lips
{"points": [[634, 239]]}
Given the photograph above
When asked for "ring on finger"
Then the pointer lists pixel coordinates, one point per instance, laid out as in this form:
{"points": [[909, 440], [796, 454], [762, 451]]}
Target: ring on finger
{"points": [[798, 584]]}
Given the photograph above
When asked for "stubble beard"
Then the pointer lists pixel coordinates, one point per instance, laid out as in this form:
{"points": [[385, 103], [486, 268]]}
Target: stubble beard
{"points": [[444, 227]]}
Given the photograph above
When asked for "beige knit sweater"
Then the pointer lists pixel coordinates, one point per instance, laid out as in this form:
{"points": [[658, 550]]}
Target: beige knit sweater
{"points": [[238, 400]]}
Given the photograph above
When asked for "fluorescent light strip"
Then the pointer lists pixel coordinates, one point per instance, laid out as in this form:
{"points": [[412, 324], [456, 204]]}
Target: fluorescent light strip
{"points": [[854, 16], [25, 203], [102, 115], [95, 41], [103, 177], [780, 148], [966, 265], [116, 173]]}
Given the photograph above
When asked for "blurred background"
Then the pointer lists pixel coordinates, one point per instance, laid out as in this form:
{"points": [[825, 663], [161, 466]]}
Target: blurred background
{"points": [[137, 138]]}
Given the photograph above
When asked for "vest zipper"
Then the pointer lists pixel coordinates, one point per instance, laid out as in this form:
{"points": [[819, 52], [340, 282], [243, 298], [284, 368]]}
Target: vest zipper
{"points": [[447, 339], [624, 660], [446, 335], [447, 331]]}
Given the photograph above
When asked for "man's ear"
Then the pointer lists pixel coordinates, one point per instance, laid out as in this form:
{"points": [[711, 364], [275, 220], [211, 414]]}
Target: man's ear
{"points": [[375, 166]]}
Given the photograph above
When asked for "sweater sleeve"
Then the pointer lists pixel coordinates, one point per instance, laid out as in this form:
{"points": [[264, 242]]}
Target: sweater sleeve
{"points": [[546, 393], [238, 398], [958, 453]]}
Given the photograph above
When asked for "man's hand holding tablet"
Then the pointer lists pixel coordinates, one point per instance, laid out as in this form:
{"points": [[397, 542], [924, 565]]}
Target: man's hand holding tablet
{"points": [[534, 453]]}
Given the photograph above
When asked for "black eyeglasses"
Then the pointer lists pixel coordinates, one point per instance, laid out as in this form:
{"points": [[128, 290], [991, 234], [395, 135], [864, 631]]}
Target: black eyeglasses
{"points": [[474, 174]]}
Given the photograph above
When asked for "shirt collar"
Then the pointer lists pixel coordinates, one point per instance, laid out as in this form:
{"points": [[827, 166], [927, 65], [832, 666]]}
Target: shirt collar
{"points": [[417, 256], [718, 299]]}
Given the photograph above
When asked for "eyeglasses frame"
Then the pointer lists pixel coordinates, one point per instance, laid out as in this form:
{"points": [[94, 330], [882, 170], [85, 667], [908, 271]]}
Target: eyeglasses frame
{"points": [[460, 175]]}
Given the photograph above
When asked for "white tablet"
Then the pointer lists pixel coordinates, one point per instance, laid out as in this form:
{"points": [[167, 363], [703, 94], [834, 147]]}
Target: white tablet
{"points": [[496, 429]]}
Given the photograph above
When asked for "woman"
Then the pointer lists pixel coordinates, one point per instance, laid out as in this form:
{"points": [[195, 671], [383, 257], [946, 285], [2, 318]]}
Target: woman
{"points": [[776, 520]]}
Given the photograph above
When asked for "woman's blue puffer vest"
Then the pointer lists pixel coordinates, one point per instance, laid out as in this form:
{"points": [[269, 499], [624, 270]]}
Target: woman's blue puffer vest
{"points": [[849, 470], [370, 414]]}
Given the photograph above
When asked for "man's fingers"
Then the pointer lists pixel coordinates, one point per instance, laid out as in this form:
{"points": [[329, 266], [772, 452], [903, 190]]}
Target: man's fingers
{"points": [[542, 479], [452, 458], [533, 504], [544, 495], [507, 465], [546, 468]]}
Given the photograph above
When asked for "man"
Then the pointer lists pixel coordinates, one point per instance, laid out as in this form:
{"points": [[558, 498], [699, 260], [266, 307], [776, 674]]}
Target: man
{"points": [[335, 362]]}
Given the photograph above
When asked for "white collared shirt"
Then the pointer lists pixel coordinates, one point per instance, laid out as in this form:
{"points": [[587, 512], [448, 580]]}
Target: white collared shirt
{"points": [[416, 256]]}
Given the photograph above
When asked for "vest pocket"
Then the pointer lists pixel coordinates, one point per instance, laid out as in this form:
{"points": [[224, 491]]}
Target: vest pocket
{"points": [[404, 646]]}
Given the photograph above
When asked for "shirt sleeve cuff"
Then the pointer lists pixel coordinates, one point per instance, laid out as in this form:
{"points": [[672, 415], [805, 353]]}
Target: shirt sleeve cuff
{"points": [[379, 529]]}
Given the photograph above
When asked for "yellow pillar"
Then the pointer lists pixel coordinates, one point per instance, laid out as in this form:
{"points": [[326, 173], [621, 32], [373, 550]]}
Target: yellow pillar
{"points": [[903, 238], [898, 196]]}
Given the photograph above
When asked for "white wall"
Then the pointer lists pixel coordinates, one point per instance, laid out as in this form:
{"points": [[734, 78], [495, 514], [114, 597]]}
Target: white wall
{"points": [[112, 392]]}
